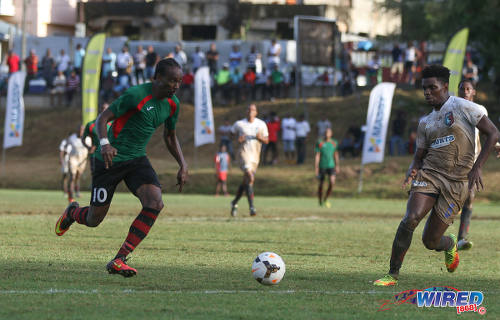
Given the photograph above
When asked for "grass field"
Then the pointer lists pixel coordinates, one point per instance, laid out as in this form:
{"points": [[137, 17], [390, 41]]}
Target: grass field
{"points": [[195, 263]]}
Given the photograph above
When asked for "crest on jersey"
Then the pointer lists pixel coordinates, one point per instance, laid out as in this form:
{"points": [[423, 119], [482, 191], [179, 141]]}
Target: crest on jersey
{"points": [[448, 119]]}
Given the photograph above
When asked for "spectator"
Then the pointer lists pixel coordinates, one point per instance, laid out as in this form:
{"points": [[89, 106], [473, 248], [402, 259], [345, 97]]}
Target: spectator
{"points": [[235, 58], [323, 80], [322, 125], [48, 69], [107, 88], [302, 129], [151, 60], [273, 127], [261, 83], [13, 62], [31, 68], [225, 136], [397, 63], [63, 61], [197, 58], [288, 126], [276, 82], [122, 85], [410, 57], [347, 145], [212, 58], [140, 64], [236, 78], [180, 55], [108, 62], [78, 59], [124, 64], [249, 83], [187, 85], [373, 69], [346, 85], [223, 81], [252, 58], [273, 54], [222, 164], [470, 72], [58, 89], [398, 129], [72, 86]]}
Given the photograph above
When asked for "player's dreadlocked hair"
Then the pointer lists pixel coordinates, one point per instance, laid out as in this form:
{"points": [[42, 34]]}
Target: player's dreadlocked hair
{"points": [[164, 64], [436, 71], [460, 85]]}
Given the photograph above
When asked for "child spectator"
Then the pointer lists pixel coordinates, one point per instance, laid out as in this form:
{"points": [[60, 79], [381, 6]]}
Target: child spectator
{"points": [[222, 163]]}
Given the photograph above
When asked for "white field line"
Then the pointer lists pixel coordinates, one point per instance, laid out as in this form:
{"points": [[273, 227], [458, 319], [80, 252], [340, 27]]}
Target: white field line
{"points": [[202, 292], [194, 292]]}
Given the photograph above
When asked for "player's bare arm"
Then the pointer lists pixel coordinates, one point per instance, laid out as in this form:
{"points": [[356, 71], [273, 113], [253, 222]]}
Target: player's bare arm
{"points": [[337, 162], [316, 163], [107, 150], [242, 138], [487, 128], [264, 140], [415, 165], [175, 150]]}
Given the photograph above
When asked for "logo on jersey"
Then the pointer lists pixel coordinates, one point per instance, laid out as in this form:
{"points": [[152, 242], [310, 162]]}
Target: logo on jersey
{"points": [[419, 183], [443, 141], [149, 108], [448, 119]]}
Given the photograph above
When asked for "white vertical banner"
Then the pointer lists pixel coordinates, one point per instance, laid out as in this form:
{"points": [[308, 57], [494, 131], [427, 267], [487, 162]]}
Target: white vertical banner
{"points": [[377, 120], [203, 114], [14, 111]]}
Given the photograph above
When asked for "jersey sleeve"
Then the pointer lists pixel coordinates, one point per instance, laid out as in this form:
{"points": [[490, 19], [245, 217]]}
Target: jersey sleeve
{"points": [[124, 103], [62, 146], [235, 129], [86, 131], [473, 112], [316, 147], [421, 141], [172, 120], [263, 127]]}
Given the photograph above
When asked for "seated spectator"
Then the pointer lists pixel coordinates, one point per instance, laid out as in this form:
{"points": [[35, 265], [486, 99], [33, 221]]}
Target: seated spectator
{"points": [[249, 83], [236, 78], [72, 87], [276, 82], [223, 82], [107, 88], [261, 83], [347, 145], [58, 89], [323, 81], [123, 84]]}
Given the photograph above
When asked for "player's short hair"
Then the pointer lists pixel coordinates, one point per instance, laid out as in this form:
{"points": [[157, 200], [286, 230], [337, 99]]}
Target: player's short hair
{"points": [[460, 85], [436, 71], [163, 65]]}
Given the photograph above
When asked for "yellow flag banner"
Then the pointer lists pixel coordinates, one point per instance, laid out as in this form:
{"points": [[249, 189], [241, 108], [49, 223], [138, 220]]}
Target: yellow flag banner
{"points": [[90, 77], [454, 59]]}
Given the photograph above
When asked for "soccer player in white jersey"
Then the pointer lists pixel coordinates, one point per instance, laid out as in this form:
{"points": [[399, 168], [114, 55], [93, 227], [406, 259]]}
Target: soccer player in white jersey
{"points": [[252, 133], [77, 162], [443, 171], [467, 91]]}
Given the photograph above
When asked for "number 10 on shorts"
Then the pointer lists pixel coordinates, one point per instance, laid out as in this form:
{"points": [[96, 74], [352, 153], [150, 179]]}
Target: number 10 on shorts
{"points": [[99, 195]]}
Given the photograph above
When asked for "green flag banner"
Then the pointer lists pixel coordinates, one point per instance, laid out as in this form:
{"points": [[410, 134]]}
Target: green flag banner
{"points": [[454, 59], [91, 74]]}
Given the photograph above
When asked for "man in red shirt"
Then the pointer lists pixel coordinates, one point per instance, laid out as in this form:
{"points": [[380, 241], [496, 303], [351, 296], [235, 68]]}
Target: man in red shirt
{"points": [[249, 80], [273, 126], [13, 62], [31, 68]]}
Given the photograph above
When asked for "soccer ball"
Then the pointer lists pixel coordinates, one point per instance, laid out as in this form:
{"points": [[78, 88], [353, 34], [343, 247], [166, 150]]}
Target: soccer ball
{"points": [[268, 268]]}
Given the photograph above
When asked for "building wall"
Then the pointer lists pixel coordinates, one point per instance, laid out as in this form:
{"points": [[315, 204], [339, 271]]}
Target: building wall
{"points": [[46, 17]]}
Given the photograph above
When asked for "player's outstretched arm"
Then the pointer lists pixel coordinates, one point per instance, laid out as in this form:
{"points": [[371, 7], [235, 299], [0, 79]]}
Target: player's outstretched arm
{"points": [[491, 132], [107, 150], [337, 162], [175, 150], [316, 164], [415, 165]]}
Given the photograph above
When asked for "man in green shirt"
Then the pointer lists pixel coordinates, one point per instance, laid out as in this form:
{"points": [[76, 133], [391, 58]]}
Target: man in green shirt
{"points": [[326, 162], [121, 155]]}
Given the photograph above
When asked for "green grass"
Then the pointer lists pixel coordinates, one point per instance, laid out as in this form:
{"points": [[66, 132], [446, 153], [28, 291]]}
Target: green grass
{"points": [[195, 263]]}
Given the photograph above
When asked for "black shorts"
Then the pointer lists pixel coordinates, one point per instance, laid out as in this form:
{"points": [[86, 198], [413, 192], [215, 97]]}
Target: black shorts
{"points": [[135, 173], [327, 171]]}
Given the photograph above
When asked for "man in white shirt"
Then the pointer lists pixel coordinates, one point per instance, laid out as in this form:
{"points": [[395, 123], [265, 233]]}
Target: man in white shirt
{"points": [[197, 59], [77, 162], [64, 150], [273, 55], [63, 61], [252, 133], [288, 135], [410, 56], [124, 63], [302, 128], [322, 125], [180, 56]]}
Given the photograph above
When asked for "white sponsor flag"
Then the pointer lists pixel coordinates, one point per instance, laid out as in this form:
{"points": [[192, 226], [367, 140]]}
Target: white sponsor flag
{"points": [[203, 115], [14, 112], [377, 120]]}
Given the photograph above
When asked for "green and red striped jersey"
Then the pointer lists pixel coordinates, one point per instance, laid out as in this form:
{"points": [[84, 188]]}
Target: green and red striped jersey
{"points": [[137, 115], [91, 131]]}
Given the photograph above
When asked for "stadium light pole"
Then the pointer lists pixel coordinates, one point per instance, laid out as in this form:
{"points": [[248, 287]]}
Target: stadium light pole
{"points": [[23, 36]]}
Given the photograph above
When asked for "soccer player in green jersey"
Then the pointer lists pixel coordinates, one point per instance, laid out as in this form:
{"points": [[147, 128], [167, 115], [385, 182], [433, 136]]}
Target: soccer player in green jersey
{"points": [[91, 131], [326, 162], [121, 155]]}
